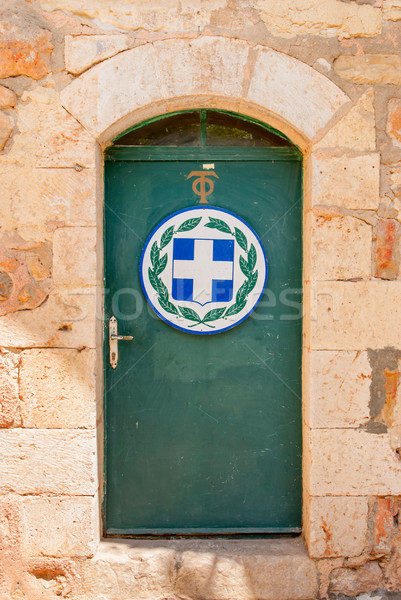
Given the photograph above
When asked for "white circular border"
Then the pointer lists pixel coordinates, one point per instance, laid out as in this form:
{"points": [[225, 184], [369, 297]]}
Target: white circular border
{"points": [[179, 322]]}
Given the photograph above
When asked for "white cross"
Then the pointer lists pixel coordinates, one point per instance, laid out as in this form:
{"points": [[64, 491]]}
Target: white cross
{"points": [[203, 269]]}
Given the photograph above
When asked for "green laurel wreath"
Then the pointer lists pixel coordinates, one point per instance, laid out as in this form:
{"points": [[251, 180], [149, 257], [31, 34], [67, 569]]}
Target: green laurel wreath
{"points": [[247, 266]]}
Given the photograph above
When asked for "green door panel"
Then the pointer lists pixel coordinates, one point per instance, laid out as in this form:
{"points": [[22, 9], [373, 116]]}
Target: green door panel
{"points": [[203, 433]]}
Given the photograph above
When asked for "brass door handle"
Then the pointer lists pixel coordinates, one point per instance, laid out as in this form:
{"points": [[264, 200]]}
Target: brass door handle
{"points": [[114, 338]]}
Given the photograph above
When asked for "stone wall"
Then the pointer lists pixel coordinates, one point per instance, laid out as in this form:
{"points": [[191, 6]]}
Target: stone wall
{"points": [[327, 74]]}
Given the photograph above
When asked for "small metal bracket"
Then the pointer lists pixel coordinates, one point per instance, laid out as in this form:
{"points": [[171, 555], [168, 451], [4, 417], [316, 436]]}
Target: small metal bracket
{"points": [[113, 341]]}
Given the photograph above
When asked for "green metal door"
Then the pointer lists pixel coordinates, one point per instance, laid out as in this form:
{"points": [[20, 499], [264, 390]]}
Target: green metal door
{"points": [[203, 432]]}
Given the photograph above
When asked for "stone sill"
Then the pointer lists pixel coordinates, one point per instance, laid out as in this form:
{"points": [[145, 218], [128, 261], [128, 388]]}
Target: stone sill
{"points": [[211, 569]]}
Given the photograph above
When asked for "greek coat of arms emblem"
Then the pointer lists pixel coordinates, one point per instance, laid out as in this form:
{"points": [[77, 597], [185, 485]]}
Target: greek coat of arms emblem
{"points": [[203, 270]]}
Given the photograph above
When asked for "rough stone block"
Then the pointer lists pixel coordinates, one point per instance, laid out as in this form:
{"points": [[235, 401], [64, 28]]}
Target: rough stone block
{"points": [[9, 397], [392, 10], [218, 569], [48, 577], [48, 462], [57, 388], [59, 526], [327, 19], [394, 176], [325, 566], [370, 68], [382, 525], [74, 257], [392, 566], [345, 315], [349, 462], [226, 63], [294, 90], [66, 320], [25, 267], [267, 576], [352, 582], [122, 572], [386, 393], [339, 389], [154, 16], [341, 248], [10, 540], [100, 581], [24, 46], [7, 97], [6, 128], [337, 526], [48, 135], [10, 523], [35, 578], [286, 19], [387, 238], [347, 181], [86, 50], [71, 24], [395, 437], [110, 90], [356, 130], [394, 119], [56, 197]]}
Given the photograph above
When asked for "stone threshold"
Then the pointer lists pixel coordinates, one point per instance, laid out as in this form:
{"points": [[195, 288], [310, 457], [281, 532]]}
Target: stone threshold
{"points": [[203, 569]]}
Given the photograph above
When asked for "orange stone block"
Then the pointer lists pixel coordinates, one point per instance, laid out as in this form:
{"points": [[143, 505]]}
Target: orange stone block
{"points": [[394, 120], [386, 250], [24, 273], [382, 525], [24, 47]]}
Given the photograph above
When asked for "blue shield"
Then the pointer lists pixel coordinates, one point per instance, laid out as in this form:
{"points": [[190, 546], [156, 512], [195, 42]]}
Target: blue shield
{"points": [[203, 270]]}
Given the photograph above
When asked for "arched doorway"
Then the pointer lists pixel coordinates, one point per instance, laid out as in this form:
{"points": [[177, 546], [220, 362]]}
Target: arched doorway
{"points": [[203, 432]]}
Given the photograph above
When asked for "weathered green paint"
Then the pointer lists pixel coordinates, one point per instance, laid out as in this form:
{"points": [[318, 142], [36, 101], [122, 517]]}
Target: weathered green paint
{"points": [[142, 153], [203, 433]]}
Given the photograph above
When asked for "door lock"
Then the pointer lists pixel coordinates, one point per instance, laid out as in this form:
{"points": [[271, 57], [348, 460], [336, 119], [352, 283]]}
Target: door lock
{"points": [[114, 338]]}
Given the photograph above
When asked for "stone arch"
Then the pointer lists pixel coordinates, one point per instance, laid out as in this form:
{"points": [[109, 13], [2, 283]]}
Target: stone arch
{"points": [[207, 71]]}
